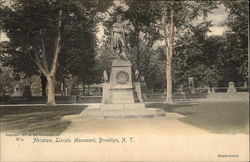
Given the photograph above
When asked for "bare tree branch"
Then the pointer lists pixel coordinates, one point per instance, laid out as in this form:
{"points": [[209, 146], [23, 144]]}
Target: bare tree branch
{"points": [[57, 45], [44, 58], [179, 45], [38, 64]]}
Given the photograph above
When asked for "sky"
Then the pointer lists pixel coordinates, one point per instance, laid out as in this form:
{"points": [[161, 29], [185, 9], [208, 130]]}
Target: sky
{"points": [[218, 16]]}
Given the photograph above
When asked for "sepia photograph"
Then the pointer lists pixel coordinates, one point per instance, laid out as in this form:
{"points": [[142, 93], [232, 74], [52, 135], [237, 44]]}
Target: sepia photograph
{"points": [[124, 80]]}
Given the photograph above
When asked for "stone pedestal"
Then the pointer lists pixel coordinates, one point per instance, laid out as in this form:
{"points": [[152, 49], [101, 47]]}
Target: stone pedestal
{"points": [[118, 100], [105, 92], [120, 85]]}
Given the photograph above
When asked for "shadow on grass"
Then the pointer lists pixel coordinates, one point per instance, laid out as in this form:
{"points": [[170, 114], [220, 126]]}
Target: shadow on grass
{"points": [[220, 117], [227, 117], [36, 119], [167, 107]]}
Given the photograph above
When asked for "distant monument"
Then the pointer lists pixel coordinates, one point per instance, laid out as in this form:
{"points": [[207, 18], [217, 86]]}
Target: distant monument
{"points": [[245, 84], [118, 100], [191, 84], [180, 89], [17, 90], [231, 89]]}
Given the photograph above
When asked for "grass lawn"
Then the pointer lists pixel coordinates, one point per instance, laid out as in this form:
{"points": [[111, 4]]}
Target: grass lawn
{"points": [[36, 119], [220, 117]]}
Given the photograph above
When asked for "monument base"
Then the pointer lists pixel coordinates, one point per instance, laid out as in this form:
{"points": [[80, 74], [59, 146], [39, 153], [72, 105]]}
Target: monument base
{"points": [[134, 110], [119, 99]]}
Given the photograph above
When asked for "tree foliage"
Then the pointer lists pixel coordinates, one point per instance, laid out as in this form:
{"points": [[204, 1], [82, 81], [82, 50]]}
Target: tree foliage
{"points": [[41, 30], [7, 81], [237, 39]]}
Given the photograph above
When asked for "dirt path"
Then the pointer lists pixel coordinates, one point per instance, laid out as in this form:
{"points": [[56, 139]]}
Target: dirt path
{"points": [[169, 125], [163, 139], [156, 139]]}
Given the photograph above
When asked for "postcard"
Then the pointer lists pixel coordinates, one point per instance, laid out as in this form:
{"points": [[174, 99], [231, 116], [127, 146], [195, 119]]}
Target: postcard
{"points": [[124, 80]]}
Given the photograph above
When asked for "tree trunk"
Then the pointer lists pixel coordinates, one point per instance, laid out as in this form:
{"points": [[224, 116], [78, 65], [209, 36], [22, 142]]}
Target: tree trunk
{"points": [[169, 93], [43, 66], [43, 83], [51, 90], [138, 56], [51, 77], [169, 34]]}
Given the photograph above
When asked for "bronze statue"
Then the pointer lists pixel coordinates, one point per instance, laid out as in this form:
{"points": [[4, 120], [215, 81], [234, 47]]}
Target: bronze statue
{"points": [[118, 39]]}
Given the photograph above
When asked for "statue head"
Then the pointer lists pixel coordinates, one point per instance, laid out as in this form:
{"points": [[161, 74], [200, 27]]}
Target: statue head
{"points": [[118, 18]]}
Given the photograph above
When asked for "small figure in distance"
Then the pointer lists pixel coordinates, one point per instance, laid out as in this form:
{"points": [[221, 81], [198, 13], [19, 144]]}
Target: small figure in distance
{"points": [[137, 76], [105, 76]]}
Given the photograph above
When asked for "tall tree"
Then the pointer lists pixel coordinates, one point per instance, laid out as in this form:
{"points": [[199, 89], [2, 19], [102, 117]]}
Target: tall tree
{"points": [[29, 25], [174, 17]]}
